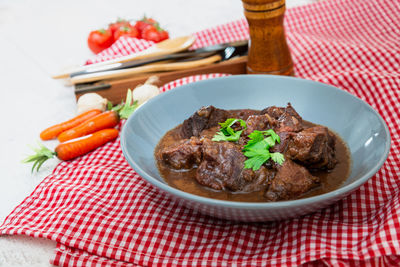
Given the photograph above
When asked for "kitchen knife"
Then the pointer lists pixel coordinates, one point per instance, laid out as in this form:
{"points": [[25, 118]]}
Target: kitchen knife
{"points": [[195, 54], [221, 55]]}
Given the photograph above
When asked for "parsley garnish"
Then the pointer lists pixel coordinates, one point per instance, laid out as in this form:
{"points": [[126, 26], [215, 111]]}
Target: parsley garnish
{"points": [[226, 133], [257, 149]]}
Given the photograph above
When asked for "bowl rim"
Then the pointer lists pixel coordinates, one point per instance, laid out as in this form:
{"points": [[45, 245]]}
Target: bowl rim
{"points": [[341, 191]]}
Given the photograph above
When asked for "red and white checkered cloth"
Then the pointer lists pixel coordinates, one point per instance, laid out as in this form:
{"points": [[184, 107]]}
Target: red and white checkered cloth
{"points": [[102, 213]]}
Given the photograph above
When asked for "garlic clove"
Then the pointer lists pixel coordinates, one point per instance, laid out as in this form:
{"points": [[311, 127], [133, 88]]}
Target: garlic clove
{"points": [[144, 92], [91, 101]]}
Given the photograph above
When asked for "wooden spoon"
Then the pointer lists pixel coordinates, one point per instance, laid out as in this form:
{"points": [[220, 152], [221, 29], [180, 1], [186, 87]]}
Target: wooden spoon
{"points": [[168, 46]]}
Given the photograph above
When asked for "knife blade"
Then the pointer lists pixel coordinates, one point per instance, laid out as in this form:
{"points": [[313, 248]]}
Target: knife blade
{"points": [[192, 55]]}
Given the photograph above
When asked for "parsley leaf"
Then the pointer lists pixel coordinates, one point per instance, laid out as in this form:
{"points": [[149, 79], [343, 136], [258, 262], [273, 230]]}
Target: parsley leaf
{"points": [[277, 157], [270, 141], [273, 135], [226, 133], [220, 136], [255, 137], [257, 149], [256, 162]]}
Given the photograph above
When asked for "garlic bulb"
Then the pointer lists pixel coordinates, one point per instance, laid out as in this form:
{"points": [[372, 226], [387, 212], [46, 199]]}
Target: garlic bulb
{"points": [[144, 92], [91, 101]]}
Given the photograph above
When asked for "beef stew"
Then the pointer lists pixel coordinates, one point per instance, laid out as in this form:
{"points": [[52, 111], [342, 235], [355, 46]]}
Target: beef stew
{"points": [[316, 160]]}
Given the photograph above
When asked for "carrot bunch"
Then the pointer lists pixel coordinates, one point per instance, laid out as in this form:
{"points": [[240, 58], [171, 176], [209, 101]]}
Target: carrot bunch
{"points": [[82, 133]]}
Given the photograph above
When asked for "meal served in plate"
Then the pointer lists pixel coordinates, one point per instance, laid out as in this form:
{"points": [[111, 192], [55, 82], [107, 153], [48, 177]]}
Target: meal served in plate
{"points": [[252, 155]]}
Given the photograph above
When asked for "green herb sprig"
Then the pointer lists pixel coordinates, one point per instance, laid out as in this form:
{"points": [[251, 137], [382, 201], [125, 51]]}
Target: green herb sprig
{"points": [[124, 109], [257, 149], [226, 133]]}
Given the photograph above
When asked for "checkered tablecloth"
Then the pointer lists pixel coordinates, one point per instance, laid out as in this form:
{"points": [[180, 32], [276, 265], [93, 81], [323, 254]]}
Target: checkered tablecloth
{"points": [[102, 213]]}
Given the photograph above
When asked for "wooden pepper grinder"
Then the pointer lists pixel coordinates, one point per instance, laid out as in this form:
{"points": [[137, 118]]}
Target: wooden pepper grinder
{"points": [[268, 50]]}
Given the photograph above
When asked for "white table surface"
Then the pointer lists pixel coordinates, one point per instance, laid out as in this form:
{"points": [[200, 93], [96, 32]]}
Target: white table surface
{"points": [[37, 38]]}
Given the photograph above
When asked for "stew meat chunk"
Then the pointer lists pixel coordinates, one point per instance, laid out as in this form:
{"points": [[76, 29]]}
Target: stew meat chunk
{"points": [[313, 147], [184, 155], [220, 165], [222, 168], [291, 180]]}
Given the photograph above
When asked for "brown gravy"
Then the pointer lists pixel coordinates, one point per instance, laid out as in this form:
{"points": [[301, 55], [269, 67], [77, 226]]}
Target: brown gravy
{"points": [[185, 180]]}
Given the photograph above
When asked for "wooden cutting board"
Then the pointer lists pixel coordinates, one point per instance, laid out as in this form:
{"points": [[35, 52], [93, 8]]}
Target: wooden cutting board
{"points": [[115, 90]]}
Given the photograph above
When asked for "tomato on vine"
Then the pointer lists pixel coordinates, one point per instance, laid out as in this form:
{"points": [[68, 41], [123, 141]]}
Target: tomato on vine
{"points": [[99, 40], [113, 27], [128, 31]]}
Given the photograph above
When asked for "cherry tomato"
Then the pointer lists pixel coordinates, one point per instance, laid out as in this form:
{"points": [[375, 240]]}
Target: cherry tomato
{"points": [[99, 40], [151, 33], [118, 24], [140, 25], [150, 21], [163, 35], [126, 31]]}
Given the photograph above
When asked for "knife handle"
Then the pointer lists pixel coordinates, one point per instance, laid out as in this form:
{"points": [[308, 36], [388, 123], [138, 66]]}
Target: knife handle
{"points": [[144, 69]]}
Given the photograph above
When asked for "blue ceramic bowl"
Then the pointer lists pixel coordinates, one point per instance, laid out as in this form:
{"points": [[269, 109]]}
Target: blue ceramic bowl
{"points": [[363, 129]]}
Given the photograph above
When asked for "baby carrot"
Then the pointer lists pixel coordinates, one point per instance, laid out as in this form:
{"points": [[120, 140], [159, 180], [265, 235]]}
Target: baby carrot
{"points": [[55, 130], [108, 119], [104, 120], [72, 149]]}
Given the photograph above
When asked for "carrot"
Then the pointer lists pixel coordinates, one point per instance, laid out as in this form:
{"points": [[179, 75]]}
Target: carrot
{"points": [[72, 149], [108, 119], [104, 120], [55, 130]]}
